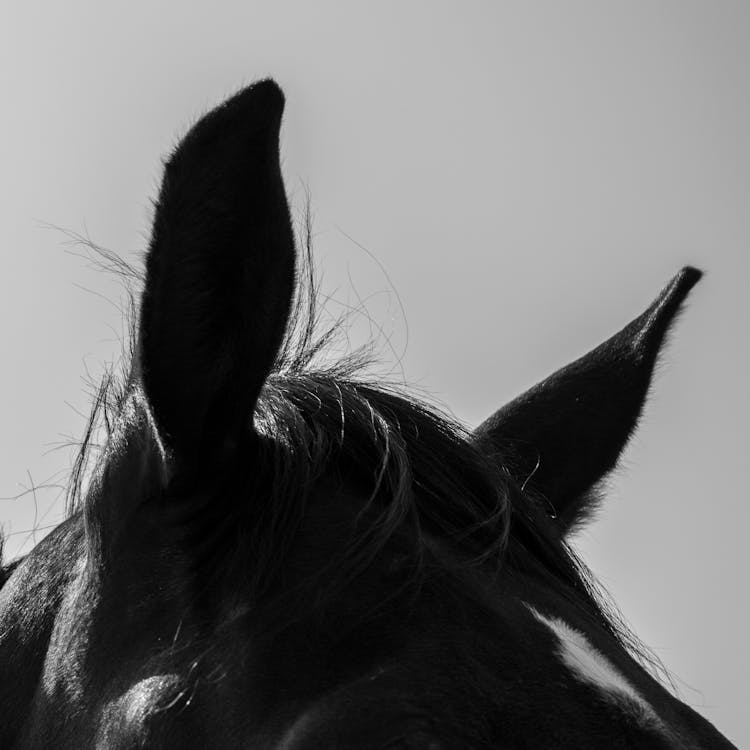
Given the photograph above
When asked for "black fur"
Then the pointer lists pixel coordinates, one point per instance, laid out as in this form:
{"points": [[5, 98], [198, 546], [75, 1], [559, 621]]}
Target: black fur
{"points": [[220, 277]]}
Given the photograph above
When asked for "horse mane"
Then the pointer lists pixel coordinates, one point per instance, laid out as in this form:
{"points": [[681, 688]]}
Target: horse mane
{"points": [[423, 475]]}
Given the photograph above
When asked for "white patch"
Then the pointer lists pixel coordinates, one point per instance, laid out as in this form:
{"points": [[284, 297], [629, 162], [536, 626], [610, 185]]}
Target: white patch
{"points": [[592, 667]]}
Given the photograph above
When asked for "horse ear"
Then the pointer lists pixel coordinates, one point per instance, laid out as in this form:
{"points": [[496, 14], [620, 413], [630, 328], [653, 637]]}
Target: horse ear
{"points": [[563, 436], [219, 276]]}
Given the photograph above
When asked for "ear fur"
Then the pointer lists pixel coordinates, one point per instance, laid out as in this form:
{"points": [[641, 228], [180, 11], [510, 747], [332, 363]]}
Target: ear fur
{"points": [[219, 277], [563, 435]]}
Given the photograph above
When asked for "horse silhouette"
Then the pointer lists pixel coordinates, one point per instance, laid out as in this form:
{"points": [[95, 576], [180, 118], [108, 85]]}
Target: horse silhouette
{"points": [[275, 554]]}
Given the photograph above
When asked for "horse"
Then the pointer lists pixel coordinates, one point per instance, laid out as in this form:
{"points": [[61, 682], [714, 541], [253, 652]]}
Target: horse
{"points": [[280, 554]]}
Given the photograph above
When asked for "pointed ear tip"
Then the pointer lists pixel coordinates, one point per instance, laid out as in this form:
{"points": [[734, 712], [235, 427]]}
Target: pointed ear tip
{"points": [[264, 95], [648, 331], [251, 116], [678, 288], [268, 90], [688, 277]]}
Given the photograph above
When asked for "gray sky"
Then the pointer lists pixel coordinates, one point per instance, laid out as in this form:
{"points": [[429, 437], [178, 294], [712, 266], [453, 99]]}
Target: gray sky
{"points": [[528, 174]]}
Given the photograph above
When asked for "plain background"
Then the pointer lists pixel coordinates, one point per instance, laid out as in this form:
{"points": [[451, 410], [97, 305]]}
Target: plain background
{"points": [[528, 175]]}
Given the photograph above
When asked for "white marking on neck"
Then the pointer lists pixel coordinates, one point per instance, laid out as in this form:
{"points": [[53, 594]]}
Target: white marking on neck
{"points": [[590, 666]]}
